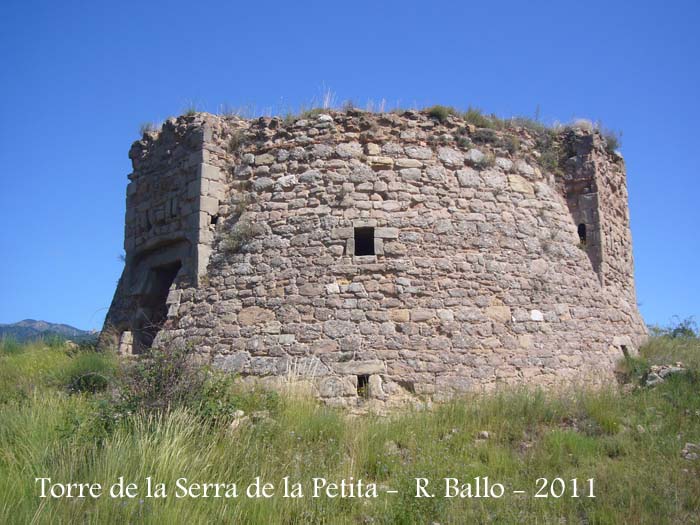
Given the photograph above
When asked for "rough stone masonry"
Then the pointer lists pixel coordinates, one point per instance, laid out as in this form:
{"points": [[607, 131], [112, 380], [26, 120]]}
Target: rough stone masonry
{"points": [[379, 255]]}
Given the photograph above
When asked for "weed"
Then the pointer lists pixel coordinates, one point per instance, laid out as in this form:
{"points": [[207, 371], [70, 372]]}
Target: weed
{"points": [[551, 152], [464, 142], [90, 372], [440, 113], [190, 109], [161, 379], [242, 232], [235, 143], [612, 140], [510, 143], [147, 127], [530, 124], [487, 161], [484, 135], [311, 113]]}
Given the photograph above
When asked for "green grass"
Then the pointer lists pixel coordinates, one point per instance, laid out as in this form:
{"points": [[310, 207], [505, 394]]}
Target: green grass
{"points": [[628, 442]]}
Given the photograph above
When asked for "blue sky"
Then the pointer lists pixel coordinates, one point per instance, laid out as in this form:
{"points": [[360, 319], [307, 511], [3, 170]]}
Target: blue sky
{"points": [[78, 79]]}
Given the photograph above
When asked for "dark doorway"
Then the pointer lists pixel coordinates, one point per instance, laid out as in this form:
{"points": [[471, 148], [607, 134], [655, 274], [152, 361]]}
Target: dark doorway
{"points": [[152, 307], [364, 241]]}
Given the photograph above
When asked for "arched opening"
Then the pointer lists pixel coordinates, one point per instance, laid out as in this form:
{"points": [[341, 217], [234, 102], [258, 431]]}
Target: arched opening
{"points": [[582, 233], [153, 309]]}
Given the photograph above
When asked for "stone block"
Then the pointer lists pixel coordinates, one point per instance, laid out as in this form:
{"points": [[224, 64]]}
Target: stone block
{"points": [[334, 386], [519, 184], [265, 159], [399, 315], [255, 315], [209, 205], [408, 163], [359, 367], [386, 233], [336, 329], [498, 313], [422, 314], [451, 157]]}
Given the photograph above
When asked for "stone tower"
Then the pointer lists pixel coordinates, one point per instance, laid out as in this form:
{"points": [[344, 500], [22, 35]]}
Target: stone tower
{"points": [[379, 255]]}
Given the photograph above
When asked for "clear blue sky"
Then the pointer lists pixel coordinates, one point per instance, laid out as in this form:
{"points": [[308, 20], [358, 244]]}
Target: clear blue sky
{"points": [[78, 79]]}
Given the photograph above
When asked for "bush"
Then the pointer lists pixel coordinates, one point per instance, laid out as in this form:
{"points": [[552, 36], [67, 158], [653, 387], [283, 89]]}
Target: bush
{"points": [[311, 113], [236, 141], [511, 144], [484, 135], [612, 140], [160, 379], [477, 118], [487, 161], [440, 113], [530, 124], [91, 372], [241, 233], [166, 380]]}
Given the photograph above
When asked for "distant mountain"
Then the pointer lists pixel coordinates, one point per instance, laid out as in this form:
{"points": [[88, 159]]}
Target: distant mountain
{"points": [[29, 329]]}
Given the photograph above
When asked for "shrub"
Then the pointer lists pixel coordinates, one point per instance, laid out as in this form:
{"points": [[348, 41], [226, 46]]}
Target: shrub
{"points": [[440, 113], [311, 113], [511, 144], [464, 142], [632, 369], [241, 233], [612, 140], [484, 135], [529, 124], [90, 372], [160, 379], [487, 161], [168, 379], [236, 141], [477, 118], [214, 400]]}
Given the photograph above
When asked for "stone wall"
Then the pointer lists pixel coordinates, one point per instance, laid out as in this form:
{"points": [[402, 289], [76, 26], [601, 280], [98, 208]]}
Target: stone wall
{"points": [[171, 198], [475, 274]]}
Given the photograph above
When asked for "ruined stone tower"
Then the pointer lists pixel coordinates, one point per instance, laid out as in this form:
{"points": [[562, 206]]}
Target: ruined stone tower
{"points": [[379, 255]]}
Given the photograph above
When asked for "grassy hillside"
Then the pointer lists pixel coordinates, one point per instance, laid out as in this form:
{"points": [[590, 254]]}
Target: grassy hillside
{"points": [[77, 416]]}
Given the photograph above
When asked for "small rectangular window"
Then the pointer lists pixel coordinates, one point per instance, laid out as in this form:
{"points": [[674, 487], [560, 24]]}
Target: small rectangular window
{"points": [[364, 241], [363, 385]]}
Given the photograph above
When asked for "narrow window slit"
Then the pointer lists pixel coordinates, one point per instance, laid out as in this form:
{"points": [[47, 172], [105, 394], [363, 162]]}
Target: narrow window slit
{"points": [[363, 385], [582, 233]]}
